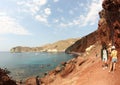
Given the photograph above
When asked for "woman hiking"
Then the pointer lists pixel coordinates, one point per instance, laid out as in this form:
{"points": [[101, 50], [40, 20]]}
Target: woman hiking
{"points": [[114, 59]]}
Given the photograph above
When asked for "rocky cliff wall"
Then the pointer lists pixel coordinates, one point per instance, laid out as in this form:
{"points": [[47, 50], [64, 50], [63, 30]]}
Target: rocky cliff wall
{"points": [[83, 43]]}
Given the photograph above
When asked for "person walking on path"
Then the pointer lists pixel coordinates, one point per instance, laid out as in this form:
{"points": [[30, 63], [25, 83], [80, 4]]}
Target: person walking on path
{"points": [[114, 59], [104, 57], [109, 54]]}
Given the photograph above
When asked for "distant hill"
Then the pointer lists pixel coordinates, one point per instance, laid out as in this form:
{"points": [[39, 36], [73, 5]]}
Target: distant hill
{"points": [[59, 46]]}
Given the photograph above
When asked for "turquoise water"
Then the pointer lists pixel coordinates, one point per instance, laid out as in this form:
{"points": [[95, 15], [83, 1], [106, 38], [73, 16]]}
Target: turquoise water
{"points": [[23, 65]]}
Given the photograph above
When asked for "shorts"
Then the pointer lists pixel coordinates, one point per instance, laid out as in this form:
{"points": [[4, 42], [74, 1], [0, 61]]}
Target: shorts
{"points": [[105, 59], [114, 60]]}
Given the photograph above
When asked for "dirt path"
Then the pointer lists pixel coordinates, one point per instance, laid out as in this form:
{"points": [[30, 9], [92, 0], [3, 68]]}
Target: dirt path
{"points": [[95, 75]]}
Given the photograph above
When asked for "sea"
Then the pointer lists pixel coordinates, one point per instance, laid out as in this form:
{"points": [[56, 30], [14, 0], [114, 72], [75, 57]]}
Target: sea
{"points": [[24, 65]]}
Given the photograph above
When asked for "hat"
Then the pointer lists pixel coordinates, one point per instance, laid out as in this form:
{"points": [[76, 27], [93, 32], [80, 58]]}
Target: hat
{"points": [[113, 47]]}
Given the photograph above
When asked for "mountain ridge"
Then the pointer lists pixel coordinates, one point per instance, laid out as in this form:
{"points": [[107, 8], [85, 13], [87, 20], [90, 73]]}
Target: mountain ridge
{"points": [[59, 46]]}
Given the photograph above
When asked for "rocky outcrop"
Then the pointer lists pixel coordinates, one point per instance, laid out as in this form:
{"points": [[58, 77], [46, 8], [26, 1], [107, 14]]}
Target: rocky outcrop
{"points": [[63, 71], [5, 79], [84, 42], [68, 69], [108, 28], [59, 46]]}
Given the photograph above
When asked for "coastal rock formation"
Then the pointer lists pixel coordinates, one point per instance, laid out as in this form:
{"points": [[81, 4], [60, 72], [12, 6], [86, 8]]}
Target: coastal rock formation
{"points": [[84, 42], [59, 46], [5, 79], [68, 69]]}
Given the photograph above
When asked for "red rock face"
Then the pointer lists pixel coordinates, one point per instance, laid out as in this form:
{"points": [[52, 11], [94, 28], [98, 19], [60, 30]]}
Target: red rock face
{"points": [[4, 79], [111, 16], [83, 43], [108, 28]]}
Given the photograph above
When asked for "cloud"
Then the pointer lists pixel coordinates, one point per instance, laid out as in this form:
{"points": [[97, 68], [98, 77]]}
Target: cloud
{"points": [[63, 25], [41, 18], [66, 24], [31, 6], [32, 2], [34, 10], [40, 2], [75, 22], [44, 16], [92, 14], [55, 0], [89, 18], [37, 9], [10, 25], [47, 11]]}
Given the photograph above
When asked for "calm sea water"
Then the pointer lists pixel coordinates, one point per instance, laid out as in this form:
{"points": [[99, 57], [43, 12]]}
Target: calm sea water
{"points": [[23, 65]]}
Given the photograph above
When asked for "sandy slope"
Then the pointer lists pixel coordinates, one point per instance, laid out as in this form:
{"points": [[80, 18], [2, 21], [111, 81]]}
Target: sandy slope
{"points": [[95, 75]]}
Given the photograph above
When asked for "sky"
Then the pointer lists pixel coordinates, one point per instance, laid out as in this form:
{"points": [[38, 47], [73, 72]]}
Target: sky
{"points": [[38, 22]]}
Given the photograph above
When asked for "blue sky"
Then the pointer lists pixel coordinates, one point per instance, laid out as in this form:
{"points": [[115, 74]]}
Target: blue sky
{"points": [[38, 22]]}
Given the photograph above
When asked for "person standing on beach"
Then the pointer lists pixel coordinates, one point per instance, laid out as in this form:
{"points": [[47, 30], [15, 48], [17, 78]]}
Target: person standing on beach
{"points": [[114, 59]]}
